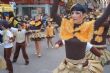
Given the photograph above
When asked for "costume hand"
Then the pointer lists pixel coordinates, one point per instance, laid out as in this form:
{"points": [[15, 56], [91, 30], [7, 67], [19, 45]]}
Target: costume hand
{"points": [[57, 46], [59, 43]]}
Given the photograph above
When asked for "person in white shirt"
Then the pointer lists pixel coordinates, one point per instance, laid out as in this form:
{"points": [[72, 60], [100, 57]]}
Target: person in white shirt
{"points": [[20, 37], [8, 45]]}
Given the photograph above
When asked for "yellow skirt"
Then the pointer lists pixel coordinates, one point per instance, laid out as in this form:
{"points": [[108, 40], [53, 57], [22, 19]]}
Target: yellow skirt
{"points": [[92, 67], [2, 63], [37, 36], [106, 56]]}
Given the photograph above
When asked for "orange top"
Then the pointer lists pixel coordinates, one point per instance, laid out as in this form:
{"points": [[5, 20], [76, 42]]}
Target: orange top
{"points": [[49, 31], [99, 32], [86, 30]]}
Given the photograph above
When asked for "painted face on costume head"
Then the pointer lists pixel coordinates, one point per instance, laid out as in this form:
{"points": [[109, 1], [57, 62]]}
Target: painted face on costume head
{"points": [[78, 17]]}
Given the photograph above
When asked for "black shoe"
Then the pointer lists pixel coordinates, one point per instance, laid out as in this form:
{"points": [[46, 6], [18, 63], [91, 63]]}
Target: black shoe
{"points": [[27, 62]]}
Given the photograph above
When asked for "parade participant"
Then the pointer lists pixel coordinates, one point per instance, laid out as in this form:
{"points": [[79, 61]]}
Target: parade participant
{"points": [[8, 45], [76, 33], [99, 41], [36, 35], [21, 43], [49, 32]]}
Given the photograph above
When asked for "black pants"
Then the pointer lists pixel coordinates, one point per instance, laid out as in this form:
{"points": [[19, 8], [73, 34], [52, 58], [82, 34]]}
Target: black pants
{"points": [[21, 46], [7, 55]]}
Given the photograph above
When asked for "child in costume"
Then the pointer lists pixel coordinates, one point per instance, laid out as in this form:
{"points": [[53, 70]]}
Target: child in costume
{"points": [[36, 35], [99, 41], [49, 33], [21, 43]]}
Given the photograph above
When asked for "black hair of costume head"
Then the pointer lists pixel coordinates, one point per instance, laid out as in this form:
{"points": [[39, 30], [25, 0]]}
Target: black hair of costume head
{"points": [[78, 7]]}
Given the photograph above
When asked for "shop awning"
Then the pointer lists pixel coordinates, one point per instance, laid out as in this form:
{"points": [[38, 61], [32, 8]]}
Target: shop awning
{"points": [[6, 8]]}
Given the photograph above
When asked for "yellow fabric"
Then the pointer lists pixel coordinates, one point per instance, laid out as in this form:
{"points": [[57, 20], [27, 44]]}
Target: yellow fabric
{"points": [[93, 66], [49, 31], [2, 63], [38, 23], [10, 20], [86, 30], [15, 22], [98, 39], [66, 29], [99, 32], [32, 22], [6, 8]]}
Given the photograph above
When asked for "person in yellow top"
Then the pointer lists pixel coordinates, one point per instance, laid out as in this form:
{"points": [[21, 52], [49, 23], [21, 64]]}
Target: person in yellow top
{"points": [[36, 35], [49, 33], [76, 32]]}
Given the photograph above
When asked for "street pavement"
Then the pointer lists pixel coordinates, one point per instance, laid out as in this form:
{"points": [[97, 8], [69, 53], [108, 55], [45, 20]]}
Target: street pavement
{"points": [[50, 59]]}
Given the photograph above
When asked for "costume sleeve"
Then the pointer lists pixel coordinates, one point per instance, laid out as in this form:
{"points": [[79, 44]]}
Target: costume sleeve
{"points": [[66, 29], [95, 51]]}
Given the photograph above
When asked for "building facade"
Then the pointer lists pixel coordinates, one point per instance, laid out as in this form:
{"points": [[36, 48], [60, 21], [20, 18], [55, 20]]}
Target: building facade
{"points": [[32, 7]]}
